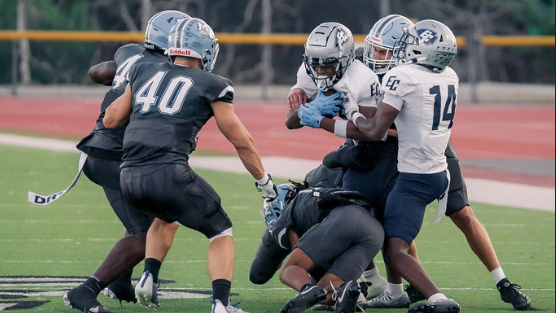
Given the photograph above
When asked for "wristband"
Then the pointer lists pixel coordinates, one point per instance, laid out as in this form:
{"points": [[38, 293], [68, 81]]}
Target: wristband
{"points": [[340, 128], [355, 116]]}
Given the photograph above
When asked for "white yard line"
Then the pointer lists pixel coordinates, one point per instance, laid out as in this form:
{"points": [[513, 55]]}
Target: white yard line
{"points": [[480, 190]]}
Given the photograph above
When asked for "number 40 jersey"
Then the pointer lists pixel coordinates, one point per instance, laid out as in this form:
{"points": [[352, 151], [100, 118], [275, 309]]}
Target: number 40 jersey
{"points": [[426, 100], [171, 103]]}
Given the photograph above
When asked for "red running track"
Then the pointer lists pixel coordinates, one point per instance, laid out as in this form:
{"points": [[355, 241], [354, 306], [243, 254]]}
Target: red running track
{"points": [[479, 132]]}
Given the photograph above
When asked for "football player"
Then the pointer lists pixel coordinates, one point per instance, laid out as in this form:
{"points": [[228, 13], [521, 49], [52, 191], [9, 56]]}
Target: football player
{"points": [[423, 126], [380, 45], [297, 220], [102, 166], [359, 87], [166, 105]]}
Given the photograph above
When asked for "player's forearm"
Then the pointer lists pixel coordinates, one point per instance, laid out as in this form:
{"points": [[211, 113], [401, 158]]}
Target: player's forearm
{"points": [[251, 160], [351, 131]]}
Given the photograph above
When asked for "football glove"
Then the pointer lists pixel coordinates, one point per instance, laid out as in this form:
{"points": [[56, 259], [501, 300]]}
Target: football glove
{"points": [[267, 186], [309, 115], [328, 105]]}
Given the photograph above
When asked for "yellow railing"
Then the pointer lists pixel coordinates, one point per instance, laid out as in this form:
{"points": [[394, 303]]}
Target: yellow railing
{"points": [[248, 39]]}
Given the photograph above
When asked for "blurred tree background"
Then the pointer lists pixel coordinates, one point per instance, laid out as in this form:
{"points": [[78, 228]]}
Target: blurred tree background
{"points": [[67, 62]]}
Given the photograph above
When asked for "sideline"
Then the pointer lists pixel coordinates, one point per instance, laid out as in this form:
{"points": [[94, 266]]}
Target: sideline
{"points": [[480, 190]]}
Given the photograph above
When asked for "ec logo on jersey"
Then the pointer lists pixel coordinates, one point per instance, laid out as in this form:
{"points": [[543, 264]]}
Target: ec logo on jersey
{"points": [[341, 38], [392, 83], [427, 36]]}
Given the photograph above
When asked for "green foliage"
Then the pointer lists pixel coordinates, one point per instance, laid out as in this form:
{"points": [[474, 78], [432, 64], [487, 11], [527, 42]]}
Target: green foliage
{"points": [[71, 236]]}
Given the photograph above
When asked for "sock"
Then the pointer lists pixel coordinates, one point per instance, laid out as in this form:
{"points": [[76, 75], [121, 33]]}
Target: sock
{"points": [[437, 297], [498, 274], [221, 290], [395, 290], [370, 274], [153, 266], [94, 285], [305, 287]]}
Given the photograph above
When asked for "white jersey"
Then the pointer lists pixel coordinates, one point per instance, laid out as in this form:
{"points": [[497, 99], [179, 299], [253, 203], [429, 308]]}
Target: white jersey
{"points": [[427, 104], [359, 85]]}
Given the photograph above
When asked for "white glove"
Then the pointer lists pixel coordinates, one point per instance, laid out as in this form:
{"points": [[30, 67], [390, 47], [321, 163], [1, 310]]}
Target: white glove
{"points": [[267, 186]]}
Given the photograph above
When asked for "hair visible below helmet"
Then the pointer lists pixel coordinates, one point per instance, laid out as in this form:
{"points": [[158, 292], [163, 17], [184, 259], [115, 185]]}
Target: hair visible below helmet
{"points": [[330, 44], [195, 39], [385, 35], [159, 26], [273, 209], [429, 43]]}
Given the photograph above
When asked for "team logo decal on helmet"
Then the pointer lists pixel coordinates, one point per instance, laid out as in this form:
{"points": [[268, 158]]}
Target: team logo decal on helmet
{"points": [[427, 36], [341, 38]]}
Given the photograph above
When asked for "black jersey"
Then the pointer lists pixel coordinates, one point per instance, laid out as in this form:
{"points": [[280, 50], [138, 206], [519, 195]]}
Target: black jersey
{"points": [[309, 207], [171, 103], [106, 143]]}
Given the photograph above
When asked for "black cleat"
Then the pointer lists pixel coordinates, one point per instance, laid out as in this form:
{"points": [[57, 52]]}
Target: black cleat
{"points": [[304, 300], [414, 294], [509, 293], [441, 306], [83, 299], [121, 289], [346, 297]]}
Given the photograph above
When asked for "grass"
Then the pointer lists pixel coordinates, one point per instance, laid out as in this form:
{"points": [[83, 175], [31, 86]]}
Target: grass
{"points": [[71, 236]]}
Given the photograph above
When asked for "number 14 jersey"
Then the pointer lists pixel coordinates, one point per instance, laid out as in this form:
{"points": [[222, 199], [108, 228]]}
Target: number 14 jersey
{"points": [[426, 100]]}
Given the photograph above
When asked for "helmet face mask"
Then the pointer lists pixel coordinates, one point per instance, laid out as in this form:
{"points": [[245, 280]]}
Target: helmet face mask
{"points": [[159, 27], [273, 209], [194, 38], [428, 43], [383, 41], [329, 45]]}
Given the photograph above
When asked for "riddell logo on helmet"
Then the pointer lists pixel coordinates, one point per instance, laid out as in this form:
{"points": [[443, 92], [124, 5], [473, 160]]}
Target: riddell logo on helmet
{"points": [[175, 51]]}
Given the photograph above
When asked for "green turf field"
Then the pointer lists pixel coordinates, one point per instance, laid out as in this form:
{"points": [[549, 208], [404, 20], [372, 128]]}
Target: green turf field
{"points": [[46, 250]]}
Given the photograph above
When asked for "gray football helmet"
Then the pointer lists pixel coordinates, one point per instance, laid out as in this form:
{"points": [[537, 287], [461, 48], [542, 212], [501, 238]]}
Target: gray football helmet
{"points": [[330, 44], [159, 26], [382, 42], [429, 43], [194, 38]]}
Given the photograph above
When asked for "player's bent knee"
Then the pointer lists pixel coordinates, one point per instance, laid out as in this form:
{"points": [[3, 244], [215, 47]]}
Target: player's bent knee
{"points": [[226, 233]]}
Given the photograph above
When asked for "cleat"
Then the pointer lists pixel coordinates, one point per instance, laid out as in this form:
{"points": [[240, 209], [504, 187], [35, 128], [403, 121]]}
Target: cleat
{"points": [[83, 299], [323, 307], [305, 299], [442, 306], [146, 291], [414, 294], [509, 293], [346, 297], [375, 287], [218, 307], [386, 300], [122, 290]]}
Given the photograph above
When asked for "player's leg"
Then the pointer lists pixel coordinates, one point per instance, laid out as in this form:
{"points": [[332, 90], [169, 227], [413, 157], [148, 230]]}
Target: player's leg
{"points": [[402, 222], [125, 254], [268, 259], [462, 215], [294, 274], [159, 241]]}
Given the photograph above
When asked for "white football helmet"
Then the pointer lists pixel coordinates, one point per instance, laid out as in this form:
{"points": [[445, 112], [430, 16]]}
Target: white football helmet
{"points": [[429, 43], [382, 42], [330, 44], [194, 38]]}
